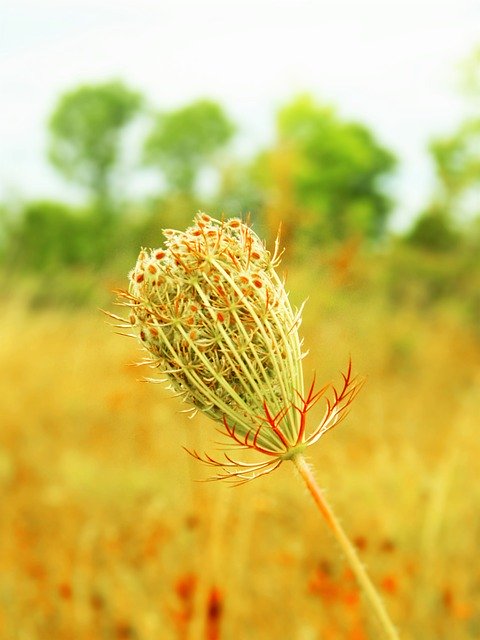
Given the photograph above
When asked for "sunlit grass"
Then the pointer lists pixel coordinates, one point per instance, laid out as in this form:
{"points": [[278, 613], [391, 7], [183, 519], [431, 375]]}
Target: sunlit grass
{"points": [[104, 533]]}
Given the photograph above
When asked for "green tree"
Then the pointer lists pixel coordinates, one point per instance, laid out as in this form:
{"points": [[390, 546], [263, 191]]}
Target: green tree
{"points": [[456, 156], [47, 235], [334, 171], [185, 140], [457, 163], [433, 231], [86, 131]]}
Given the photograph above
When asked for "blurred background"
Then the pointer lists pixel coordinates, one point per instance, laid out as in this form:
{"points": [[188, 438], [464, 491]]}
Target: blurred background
{"points": [[354, 125]]}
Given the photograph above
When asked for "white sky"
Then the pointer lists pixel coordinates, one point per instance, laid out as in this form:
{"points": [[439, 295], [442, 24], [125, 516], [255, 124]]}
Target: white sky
{"points": [[392, 65]]}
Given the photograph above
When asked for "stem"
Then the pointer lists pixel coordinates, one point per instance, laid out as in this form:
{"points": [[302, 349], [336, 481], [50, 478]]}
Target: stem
{"points": [[357, 567]]}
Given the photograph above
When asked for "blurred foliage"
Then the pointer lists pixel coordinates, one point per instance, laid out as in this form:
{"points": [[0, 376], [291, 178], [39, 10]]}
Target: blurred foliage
{"points": [[456, 157], [62, 248], [457, 163], [86, 130], [433, 230], [423, 280], [323, 179], [51, 235], [470, 77], [330, 170], [184, 141], [241, 192]]}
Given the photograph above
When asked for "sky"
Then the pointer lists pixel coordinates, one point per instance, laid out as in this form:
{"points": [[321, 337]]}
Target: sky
{"points": [[393, 65]]}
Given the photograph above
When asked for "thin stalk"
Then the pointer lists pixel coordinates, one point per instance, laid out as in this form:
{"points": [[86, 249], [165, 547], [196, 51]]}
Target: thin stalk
{"points": [[357, 567]]}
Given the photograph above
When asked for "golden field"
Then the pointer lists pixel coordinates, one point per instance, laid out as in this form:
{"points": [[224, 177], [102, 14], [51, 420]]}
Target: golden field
{"points": [[105, 533]]}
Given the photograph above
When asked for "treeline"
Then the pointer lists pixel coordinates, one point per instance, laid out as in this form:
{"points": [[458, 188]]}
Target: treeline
{"points": [[323, 178], [326, 180]]}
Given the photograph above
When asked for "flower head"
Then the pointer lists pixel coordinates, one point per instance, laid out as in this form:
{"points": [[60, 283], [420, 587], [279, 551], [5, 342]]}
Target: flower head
{"points": [[215, 318]]}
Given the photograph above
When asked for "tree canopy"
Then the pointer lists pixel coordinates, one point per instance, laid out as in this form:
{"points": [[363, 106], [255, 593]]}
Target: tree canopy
{"points": [[185, 140], [457, 163], [335, 169], [86, 129]]}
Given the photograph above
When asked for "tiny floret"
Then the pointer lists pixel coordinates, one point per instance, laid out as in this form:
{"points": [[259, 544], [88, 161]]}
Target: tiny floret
{"points": [[216, 320]]}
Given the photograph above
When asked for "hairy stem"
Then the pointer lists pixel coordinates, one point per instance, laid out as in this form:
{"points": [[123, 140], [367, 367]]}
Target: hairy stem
{"points": [[357, 567]]}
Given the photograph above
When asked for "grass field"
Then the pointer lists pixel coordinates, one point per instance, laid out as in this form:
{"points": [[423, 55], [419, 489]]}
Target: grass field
{"points": [[105, 534]]}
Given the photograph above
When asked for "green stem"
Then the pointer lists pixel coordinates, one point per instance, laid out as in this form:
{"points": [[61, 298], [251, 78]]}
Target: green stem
{"points": [[357, 567]]}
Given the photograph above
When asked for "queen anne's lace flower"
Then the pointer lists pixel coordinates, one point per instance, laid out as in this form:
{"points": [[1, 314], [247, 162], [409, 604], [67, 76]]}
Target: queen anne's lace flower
{"points": [[215, 318]]}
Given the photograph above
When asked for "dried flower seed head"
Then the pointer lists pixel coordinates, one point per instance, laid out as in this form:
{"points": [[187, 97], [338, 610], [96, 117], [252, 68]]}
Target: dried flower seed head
{"points": [[215, 317]]}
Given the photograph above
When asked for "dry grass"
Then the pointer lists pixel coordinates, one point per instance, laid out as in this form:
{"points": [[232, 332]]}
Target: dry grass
{"points": [[104, 534]]}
